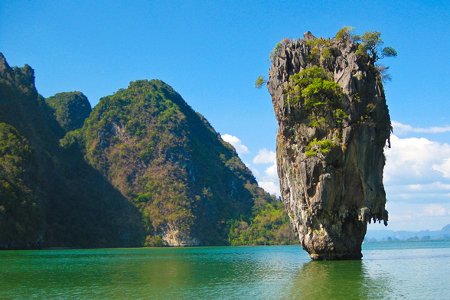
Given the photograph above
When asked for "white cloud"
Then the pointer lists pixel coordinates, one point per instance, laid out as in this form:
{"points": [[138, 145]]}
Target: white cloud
{"points": [[415, 216], [236, 143], [267, 177], [417, 181], [401, 129], [434, 186], [444, 168], [415, 160], [414, 172], [435, 210], [270, 187], [270, 179], [264, 156], [272, 172]]}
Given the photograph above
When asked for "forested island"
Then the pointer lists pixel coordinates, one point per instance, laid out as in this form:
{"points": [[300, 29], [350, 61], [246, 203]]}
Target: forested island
{"points": [[141, 168]]}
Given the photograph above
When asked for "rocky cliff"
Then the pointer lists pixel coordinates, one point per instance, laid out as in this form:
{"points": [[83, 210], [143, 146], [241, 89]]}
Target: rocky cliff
{"points": [[333, 126]]}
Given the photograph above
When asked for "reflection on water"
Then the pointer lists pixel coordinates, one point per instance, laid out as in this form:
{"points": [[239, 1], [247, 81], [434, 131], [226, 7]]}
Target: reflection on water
{"points": [[338, 280], [406, 271], [189, 273]]}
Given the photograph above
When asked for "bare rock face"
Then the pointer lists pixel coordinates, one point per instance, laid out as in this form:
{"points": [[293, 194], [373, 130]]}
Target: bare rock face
{"points": [[333, 126]]}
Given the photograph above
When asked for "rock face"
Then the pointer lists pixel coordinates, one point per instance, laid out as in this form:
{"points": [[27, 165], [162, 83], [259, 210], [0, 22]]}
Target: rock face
{"points": [[333, 126]]}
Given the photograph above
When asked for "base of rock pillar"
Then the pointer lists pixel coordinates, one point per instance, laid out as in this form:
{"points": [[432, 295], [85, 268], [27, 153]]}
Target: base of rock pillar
{"points": [[336, 256], [337, 240]]}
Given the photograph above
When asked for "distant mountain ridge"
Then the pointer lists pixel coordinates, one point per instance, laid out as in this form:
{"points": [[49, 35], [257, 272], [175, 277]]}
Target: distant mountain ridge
{"points": [[390, 235]]}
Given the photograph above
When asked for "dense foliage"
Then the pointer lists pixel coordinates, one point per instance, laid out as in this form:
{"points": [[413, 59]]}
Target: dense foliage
{"points": [[144, 169], [70, 109], [317, 94], [269, 225], [315, 147], [369, 45], [372, 45], [320, 100], [167, 159], [49, 196], [20, 216]]}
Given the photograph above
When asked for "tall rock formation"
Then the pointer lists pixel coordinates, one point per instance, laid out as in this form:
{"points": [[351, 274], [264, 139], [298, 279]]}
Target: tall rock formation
{"points": [[333, 126]]}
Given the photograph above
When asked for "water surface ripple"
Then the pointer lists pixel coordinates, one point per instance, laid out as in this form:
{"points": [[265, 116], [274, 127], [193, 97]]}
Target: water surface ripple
{"points": [[396, 270]]}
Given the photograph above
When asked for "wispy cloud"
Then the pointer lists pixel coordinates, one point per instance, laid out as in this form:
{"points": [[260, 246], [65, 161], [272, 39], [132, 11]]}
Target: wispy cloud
{"points": [[264, 156], [435, 210], [416, 178], [236, 143], [267, 179], [416, 161], [443, 167], [271, 172], [270, 186], [416, 216], [434, 186], [401, 129]]}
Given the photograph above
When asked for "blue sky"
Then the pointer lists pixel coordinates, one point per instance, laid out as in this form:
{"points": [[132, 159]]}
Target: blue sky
{"points": [[212, 51]]}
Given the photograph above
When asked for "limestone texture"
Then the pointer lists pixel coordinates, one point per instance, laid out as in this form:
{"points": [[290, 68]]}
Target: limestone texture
{"points": [[330, 157]]}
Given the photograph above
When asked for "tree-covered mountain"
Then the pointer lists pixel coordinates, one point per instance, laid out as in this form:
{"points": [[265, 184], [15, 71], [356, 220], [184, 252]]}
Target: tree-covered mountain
{"points": [[49, 196], [167, 159], [141, 168], [70, 109]]}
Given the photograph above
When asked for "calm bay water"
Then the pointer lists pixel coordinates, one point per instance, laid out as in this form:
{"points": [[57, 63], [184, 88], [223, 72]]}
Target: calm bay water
{"points": [[409, 270]]}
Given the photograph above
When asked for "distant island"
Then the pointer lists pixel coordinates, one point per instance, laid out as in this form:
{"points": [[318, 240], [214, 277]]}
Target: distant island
{"points": [[423, 235]]}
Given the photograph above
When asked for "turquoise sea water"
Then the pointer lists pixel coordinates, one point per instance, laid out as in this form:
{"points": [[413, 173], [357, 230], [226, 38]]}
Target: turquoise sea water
{"points": [[396, 270]]}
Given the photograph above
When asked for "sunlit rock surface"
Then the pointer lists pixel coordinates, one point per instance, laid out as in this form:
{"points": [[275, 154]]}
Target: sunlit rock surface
{"points": [[331, 188]]}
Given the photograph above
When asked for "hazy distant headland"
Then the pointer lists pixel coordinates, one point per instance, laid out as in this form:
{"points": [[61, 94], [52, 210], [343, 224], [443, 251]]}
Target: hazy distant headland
{"points": [[403, 235]]}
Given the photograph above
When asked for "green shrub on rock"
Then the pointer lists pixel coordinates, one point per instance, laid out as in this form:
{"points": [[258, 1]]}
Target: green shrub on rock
{"points": [[319, 146], [317, 95]]}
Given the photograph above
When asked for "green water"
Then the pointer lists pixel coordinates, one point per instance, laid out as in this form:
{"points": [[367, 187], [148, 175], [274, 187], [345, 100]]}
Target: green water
{"points": [[409, 270]]}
